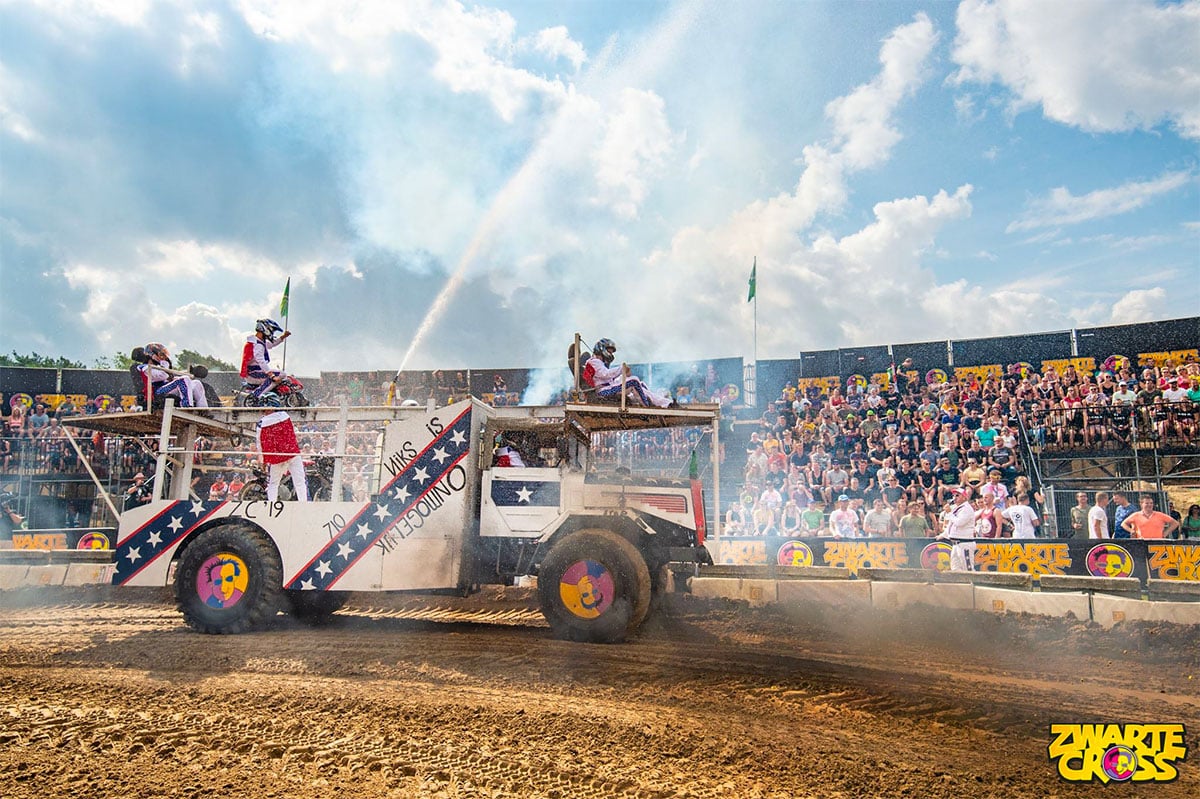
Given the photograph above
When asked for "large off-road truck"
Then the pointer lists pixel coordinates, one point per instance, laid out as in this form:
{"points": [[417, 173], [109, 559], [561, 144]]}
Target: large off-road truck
{"points": [[440, 514]]}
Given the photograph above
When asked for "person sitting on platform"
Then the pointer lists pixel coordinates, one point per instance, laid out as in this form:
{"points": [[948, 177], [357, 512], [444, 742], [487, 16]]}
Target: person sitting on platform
{"points": [[607, 379]]}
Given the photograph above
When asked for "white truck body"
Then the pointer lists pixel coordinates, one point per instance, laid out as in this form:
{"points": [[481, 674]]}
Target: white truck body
{"points": [[440, 515]]}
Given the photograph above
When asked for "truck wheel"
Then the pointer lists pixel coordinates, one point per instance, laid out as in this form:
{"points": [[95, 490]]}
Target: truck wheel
{"points": [[229, 580], [594, 586], [315, 607]]}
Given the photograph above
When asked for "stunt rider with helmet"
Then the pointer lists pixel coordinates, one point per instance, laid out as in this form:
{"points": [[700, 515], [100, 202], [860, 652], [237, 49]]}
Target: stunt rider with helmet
{"points": [[256, 357], [166, 380], [606, 378]]}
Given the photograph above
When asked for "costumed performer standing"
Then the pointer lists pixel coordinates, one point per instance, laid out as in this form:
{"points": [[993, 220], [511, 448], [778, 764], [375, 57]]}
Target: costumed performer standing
{"points": [[280, 452]]}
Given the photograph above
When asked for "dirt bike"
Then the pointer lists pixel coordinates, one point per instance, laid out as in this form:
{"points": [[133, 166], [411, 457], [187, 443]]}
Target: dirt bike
{"points": [[318, 472], [289, 393]]}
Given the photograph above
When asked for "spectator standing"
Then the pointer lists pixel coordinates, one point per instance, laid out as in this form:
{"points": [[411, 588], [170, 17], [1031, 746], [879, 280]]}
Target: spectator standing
{"points": [[988, 522], [1150, 523], [914, 523], [1097, 520], [1121, 513], [1022, 518], [1190, 527], [1079, 514]]}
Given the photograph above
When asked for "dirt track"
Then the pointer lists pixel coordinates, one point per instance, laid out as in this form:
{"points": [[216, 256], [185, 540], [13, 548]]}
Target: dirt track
{"points": [[106, 694]]}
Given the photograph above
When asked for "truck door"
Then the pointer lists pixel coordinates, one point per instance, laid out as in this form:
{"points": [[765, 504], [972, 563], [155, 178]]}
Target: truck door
{"points": [[425, 483]]}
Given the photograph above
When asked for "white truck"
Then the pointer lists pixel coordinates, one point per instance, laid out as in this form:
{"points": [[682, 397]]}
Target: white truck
{"points": [[440, 517]]}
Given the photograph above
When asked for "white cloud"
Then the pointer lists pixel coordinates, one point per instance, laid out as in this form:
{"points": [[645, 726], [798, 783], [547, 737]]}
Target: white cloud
{"points": [[1138, 305], [555, 43], [863, 128], [1105, 65], [473, 48], [637, 139], [14, 94], [1061, 207], [81, 12]]}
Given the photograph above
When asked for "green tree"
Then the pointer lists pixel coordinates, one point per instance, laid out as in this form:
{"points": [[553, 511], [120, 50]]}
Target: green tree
{"points": [[191, 358], [120, 361], [39, 361]]}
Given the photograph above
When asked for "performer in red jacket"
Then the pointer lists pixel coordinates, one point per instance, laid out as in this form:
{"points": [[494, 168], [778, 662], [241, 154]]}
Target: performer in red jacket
{"points": [[281, 452]]}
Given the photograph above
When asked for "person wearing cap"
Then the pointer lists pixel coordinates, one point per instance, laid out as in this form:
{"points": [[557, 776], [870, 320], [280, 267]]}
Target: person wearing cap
{"points": [[870, 424], [137, 494], [1124, 395], [1173, 393], [843, 522], [960, 529]]}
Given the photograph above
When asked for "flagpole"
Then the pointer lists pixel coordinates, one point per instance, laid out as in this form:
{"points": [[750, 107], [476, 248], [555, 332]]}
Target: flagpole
{"points": [[285, 309], [754, 296]]}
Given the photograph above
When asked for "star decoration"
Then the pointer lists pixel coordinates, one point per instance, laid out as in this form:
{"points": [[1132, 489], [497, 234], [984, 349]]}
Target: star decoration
{"points": [[134, 554], [402, 493], [440, 455], [364, 531], [523, 494], [458, 438], [307, 585], [155, 539], [345, 550], [176, 524], [197, 508], [381, 512], [421, 475], [323, 568]]}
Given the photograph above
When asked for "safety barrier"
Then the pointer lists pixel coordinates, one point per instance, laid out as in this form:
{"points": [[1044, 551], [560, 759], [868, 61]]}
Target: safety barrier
{"points": [[1103, 600]]}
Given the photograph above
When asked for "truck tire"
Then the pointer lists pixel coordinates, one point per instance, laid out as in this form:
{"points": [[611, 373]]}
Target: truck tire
{"points": [[315, 607], [229, 580], [594, 586]]}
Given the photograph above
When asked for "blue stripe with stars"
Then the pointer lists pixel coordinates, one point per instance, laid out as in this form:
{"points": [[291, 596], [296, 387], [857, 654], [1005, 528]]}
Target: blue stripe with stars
{"points": [[400, 495], [158, 535], [534, 493]]}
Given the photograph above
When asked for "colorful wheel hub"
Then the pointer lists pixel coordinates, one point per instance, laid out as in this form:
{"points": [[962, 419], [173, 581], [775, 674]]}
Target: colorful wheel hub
{"points": [[222, 580], [587, 589]]}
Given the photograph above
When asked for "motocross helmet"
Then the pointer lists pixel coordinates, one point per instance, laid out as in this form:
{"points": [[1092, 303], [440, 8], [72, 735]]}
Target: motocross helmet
{"points": [[604, 350], [268, 327], [157, 352]]}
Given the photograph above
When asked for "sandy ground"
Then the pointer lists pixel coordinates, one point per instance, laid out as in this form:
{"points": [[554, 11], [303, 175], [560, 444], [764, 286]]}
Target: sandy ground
{"points": [[105, 693]]}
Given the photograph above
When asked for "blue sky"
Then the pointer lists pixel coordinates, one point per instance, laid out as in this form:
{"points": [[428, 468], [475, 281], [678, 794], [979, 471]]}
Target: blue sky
{"points": [[467, 185]]}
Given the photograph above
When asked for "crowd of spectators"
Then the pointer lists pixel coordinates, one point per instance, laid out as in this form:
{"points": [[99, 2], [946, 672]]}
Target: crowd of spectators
{"points": [[885, 458], [1111, 409]]}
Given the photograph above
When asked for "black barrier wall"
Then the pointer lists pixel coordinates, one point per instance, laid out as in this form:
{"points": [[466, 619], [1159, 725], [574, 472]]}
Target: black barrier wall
{"points": [[1160, 560]]}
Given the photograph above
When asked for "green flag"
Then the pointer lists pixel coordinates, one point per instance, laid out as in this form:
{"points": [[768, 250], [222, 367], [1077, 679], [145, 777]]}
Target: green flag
{"points": [[283, 304], [753, 279], [693, 467]]}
